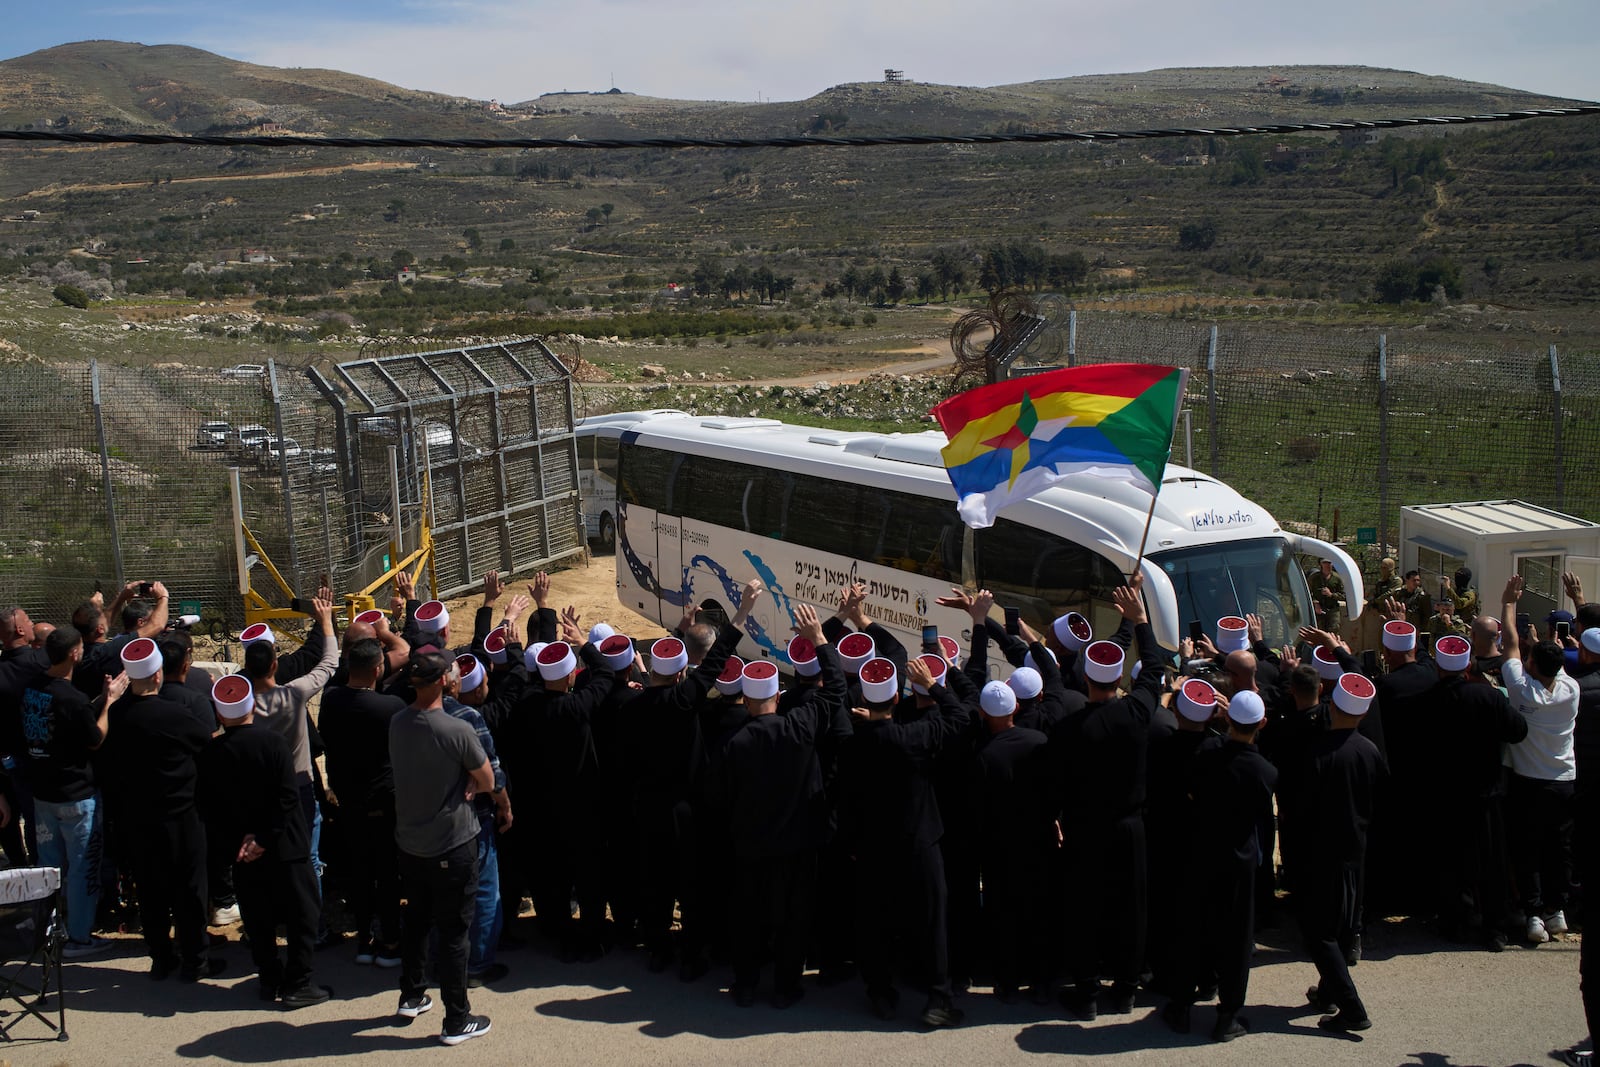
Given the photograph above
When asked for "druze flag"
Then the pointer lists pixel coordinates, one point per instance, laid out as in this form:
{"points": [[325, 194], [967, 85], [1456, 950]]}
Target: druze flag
{"points": [[1011, 439]]}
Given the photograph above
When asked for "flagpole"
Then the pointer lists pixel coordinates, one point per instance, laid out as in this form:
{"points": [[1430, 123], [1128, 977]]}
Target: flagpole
{"points": [[1150, 515], [1148, 518]]}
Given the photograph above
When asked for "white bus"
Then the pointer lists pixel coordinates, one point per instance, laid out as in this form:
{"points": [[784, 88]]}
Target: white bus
{"points": [[705, 503], [597, 469]]}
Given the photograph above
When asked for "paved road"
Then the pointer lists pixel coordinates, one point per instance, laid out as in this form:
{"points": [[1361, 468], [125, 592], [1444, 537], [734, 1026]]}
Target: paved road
{"points": [[1432, 1005]]}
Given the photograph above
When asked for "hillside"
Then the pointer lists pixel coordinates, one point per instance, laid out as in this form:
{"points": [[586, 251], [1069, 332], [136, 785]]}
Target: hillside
{"points": [[1513, 209], [135, 87]]}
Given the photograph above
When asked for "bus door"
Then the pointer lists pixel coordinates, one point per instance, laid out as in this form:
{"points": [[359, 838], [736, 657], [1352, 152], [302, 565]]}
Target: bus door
{"points": [[646, 478]]}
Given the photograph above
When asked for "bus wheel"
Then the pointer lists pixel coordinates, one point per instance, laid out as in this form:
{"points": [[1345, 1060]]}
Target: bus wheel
{"points": [[608, 533]]}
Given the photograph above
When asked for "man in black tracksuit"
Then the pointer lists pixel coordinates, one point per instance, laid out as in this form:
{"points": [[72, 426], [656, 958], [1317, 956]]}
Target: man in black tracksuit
{"points": [[253, 808], [1100, 754], [1586, 811], [891, 819], [771, 786]]}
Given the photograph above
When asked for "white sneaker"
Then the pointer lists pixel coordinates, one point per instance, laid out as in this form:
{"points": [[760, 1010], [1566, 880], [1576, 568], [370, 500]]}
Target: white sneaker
{"points": [[1537, 934], [77, 950], [225, 916], [1556, 923]]}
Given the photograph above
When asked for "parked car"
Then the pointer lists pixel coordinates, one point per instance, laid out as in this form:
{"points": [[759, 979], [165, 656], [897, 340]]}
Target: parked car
{"points": [[245, 370], [247, 438], [212, 436], [274, 449], [324, 462]]}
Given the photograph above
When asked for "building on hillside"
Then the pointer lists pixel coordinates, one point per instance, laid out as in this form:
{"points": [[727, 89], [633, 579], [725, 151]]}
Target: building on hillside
{"points": [[405, 275], [1357, 138], [320, 210], [256, 255]]}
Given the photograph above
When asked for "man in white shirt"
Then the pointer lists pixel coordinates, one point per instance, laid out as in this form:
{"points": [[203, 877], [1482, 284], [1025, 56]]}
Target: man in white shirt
{"points": [[1544, 772]]}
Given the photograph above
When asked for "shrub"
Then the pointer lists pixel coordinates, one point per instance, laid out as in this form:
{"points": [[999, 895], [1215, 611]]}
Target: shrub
{"points": [[71, 296]]}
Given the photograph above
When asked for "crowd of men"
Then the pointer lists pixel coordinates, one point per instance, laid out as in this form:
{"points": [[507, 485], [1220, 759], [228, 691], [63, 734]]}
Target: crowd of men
{"points": [[1069, 834]]}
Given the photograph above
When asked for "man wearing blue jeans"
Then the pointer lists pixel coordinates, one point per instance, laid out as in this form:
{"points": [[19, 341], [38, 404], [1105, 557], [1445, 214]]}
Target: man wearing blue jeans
{"points": [[60, 727], [470, 682]]}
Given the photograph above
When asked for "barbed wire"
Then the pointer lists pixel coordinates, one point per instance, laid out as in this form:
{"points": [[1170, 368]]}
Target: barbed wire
{"points": [[808, 141]]}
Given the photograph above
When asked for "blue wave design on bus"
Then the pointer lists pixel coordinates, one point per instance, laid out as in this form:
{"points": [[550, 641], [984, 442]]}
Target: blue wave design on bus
{"points": [[681, 596]]}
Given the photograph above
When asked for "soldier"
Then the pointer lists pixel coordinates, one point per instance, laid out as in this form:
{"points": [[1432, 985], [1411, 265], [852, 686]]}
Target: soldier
{"points": [[1327, 594], [1463, 599], [1415, 600], [1445, 622]]}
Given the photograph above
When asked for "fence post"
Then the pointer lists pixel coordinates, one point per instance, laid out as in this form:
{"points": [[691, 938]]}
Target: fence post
{"points": [[105, 472], [1211, 401], [1383, 445], [289, 532], [1560, 456], [1072, 338]]}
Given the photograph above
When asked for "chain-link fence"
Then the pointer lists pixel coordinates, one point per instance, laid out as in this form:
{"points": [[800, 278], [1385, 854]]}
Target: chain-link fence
{"points": [[114, 473], [1341, 429]]}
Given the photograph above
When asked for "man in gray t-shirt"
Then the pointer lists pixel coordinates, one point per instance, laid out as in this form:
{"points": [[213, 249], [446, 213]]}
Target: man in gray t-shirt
{"points": [[438, 767]]}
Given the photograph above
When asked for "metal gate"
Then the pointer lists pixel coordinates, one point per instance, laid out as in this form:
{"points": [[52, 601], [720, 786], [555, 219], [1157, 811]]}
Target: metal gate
{"points": [[491, 425]]}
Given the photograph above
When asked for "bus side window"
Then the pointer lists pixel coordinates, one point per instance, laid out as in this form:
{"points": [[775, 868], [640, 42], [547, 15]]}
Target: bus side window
{"points": [[605, 458], [645, 475], [764, 493], [711, 491], [838, 517], [1050, 574], [923, 535]]}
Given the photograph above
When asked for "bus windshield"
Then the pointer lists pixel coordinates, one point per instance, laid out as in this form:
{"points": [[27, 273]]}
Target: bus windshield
{"points": [[1256, 577]]}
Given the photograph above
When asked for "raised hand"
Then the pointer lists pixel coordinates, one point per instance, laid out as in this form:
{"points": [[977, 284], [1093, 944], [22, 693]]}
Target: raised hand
{"points": [[492, 587], [918, 673], [807, 625], [405, 585], [1129, 602], [516, 609], [539, 589]]}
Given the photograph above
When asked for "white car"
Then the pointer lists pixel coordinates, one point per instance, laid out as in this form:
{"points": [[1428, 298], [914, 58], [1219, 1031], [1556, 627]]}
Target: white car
{"points": [[273, 449], [245, 370], [247, 439], [212, 436]]}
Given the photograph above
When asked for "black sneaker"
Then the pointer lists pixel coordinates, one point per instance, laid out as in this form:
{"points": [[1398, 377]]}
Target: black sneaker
{"points": [[1119, 1001], [1315, 998], [488, 976], [1083, 1003], [208, 969], [411, 1007], [941, 1015], [1177, 1016], [305, 996], [1345, 1021], [161, 968], [786, 998], [473, 1026], [1229, 1027]]}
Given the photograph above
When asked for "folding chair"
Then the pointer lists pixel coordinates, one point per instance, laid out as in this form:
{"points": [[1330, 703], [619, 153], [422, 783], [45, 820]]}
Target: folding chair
{"points": [[32, 930]]}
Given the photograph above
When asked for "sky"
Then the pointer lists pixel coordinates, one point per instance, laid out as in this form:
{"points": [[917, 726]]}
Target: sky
{"points": [[514, 50]]}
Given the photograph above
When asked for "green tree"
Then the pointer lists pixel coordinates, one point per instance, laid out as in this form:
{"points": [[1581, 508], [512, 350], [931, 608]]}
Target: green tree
{"points": [[606, 210], [1396, 281], [593, 215], [1438, 272], [402, 258], [507, 244], [927, 285], [71, 296], [895, 287], [1197, 236], [473, 237]]}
